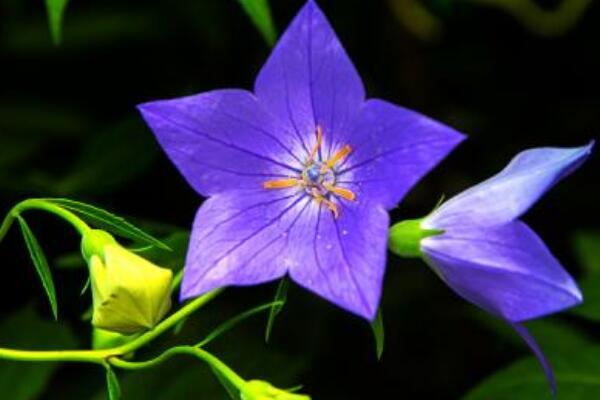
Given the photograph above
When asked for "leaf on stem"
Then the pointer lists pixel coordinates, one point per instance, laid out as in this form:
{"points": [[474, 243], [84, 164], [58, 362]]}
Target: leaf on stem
{"points": [[260, 14], [56, 11], [112, 384], [278, 303], [106, 220], [230, 323], [41, 264], [378, 333]]}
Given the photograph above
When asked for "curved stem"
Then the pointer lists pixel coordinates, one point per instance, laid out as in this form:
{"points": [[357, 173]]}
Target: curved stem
{"points": [[100, 356], [202, 354], [39, 204]]}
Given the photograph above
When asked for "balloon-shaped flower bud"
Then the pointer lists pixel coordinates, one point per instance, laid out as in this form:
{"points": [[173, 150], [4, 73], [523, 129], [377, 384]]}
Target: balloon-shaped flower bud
{"points": [[130, 294], [261, 390], [478, 245]]}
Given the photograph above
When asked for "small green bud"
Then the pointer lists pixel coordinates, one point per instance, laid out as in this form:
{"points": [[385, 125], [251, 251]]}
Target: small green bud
{"points": [[261, 390], [130, 294], [405, 237]]}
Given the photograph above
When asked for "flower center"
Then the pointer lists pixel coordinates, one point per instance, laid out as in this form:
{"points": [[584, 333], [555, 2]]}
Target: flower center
{"points": [[318, 178]]}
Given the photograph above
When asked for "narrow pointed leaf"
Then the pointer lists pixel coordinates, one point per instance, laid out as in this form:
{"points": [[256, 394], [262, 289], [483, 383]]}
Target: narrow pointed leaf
{"points": [[41, 264], [227, 325], [112, 384], [378, 333], [106, 220], [260, 14], [56, 10], [280, 297]]}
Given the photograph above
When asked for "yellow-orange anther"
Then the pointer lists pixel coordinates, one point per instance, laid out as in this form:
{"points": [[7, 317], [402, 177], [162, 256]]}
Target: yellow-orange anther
{"points": [[281, 183], [328, 203], [344, 193], [316, 147], [338, 156]]}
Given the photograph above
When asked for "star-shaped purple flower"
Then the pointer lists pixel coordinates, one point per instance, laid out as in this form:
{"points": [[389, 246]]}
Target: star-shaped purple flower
{"points": [[298, 174], [476, 243]]}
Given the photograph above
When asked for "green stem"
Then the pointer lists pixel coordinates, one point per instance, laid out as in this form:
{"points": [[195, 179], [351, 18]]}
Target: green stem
{"points": [[100, 356], [202, 354], [39, 204]]}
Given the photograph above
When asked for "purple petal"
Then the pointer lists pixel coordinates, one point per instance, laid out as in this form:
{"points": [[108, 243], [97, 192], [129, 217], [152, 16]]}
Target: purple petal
{"points": [[506, 270], [242, 238], [250, 237], [507, 195], [393, 148], [222, 140], [309, 80], [343, 260], [530, 340]]}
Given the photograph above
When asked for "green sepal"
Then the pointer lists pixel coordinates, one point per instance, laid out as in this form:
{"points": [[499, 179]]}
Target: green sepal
{"points": [[405, 237], [94, 242]]}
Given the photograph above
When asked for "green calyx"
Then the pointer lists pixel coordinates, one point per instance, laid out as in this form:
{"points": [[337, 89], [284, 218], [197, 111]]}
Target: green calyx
{"points": [[94, 242], [405, 237]]}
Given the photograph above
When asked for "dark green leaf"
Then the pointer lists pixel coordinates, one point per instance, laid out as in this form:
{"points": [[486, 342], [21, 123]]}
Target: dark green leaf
{"points": [[26, 330], [587, 247], [230, 323], [41, 264], [577, 373], [279, 302], [590, 308], [56, 11], [112, 384], [378, 333], [105, 220], [260, 14]]}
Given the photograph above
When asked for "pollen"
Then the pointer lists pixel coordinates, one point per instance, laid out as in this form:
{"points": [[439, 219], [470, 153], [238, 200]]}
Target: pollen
{"points": [[318, 177]]}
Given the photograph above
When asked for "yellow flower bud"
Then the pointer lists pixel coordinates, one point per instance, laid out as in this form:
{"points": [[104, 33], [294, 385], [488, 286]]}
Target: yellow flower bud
{"points": [[130, 294], [261, 390]]}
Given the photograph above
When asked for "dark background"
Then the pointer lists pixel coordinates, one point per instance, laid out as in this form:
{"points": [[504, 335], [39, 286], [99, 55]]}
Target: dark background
{"points": [[68, 127]]}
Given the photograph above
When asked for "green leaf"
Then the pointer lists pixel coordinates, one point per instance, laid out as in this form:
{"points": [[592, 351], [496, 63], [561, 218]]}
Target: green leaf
{"points": [[41, 264], [260, 14], [279, 302], [577, 373], [230, 323], [590, 308], [24, 329], [378, 333], [587, 248], [105, 220], [112, 384], [56, 10]]}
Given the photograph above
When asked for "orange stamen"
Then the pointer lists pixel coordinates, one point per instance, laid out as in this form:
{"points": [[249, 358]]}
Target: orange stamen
{"points": [[281, 183], [317, 146], [342, 192], [338, 156], [328, 203]]}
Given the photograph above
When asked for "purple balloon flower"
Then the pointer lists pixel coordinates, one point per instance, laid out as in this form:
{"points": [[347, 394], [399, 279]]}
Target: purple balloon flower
{"points": [[477, 245], [298, 174]]}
